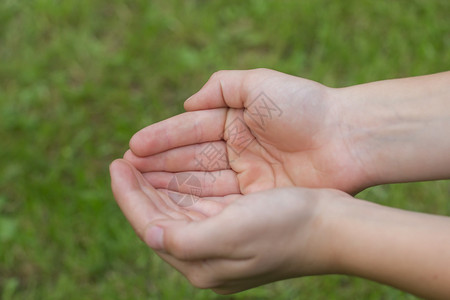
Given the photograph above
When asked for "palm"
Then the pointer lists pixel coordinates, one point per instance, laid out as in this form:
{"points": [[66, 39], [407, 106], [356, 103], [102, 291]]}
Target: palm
{"points": [[279, 154]]}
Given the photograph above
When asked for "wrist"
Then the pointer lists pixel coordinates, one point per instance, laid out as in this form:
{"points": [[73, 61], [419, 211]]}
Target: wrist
{"points": [[349, 126], [347, 218], [359, 119], [323, 243]]}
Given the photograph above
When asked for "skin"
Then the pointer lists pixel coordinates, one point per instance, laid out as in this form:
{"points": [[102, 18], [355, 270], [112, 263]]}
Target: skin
{"points": [[248, 250], [316, 138], [302, 147], [254, 239]]}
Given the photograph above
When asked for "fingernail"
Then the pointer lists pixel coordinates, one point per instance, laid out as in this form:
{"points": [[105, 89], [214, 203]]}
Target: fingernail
{"points": [[154, 238]]}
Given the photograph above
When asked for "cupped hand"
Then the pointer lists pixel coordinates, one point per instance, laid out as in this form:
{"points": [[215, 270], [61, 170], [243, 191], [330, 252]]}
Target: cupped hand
{"points": [[231, 243], [248, 131]]}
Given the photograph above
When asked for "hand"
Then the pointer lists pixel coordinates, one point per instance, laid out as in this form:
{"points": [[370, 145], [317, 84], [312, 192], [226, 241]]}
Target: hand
{"points": [[264, 129], [237, 242], [232, 243]]}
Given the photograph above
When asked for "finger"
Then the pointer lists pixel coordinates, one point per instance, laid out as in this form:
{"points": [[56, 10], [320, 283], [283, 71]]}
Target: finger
{"points": [[202, 184], [211, 206], [176, 205], [181, 130], [239, 281], [135, 204], [199, 273], [198, 157], [213, 273], [214, 237], [223, 276], [196, 204], [159, 200], [184, 267], [206, 206], [225, 199], [223, 89], [235, 89]]}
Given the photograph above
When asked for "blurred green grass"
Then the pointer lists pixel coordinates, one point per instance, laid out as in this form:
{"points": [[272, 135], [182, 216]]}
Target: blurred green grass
{"points": [[79, 77]]}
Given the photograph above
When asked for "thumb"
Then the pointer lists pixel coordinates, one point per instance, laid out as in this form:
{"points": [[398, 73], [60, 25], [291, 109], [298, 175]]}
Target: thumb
{"points": [[187, 240], [223, 89]]}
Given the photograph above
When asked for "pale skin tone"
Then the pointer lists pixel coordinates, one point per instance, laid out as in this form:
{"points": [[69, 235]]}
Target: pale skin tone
{"points": [[316, 137]]}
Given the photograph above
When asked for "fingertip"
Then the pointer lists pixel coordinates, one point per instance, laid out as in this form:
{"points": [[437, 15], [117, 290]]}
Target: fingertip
{"points": [[120, 169], [133, 143], [128, 155], [115, 166], [195, 102], [186, 103], [120, 173], [141, 141]]}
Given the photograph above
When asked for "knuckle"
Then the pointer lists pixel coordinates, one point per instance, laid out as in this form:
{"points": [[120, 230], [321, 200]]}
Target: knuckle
{"points": [[178, 247], [217, 74], [198, 130], [222, 291], [199, 280], [259, 71], [262, 69]]}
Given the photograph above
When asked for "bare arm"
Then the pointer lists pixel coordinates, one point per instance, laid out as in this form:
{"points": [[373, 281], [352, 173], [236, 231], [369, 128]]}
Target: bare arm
{"points": [[407, 250], [399, 130]]}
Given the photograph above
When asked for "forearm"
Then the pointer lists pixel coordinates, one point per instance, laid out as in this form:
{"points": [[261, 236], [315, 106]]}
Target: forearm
{"points": [[410, 251], [399, 130]]}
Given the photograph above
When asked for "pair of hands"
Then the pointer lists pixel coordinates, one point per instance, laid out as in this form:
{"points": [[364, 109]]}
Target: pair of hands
{"points": [[244, 134], [252, 183]]}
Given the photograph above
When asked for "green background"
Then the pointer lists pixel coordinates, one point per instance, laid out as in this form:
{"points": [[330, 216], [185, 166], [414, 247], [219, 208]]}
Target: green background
{"points": [[79, 77]]}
